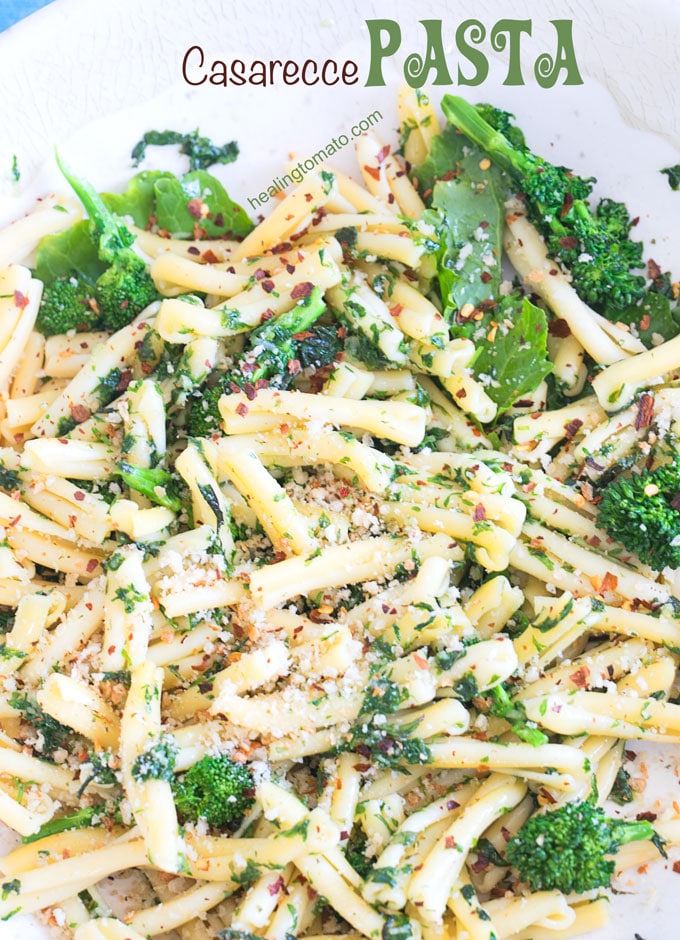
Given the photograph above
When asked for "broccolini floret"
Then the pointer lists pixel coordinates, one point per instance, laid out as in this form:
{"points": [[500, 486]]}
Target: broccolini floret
{"points": [[125, 288], [217, 789], [565, 849], [595, 245], [67, 304], [642, 511], [156, 484]]}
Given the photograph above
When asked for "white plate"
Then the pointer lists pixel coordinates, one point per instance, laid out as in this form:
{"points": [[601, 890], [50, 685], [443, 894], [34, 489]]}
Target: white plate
{"points": [[93, 76]]}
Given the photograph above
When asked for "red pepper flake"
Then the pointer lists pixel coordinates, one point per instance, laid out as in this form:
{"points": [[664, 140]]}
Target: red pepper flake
{"points": [[383, 152], [485, 277], [80, 413], [609, 583], [645, 411], [629, 755], [450, 174], [320, 215], [559, 328], [362, 768], [566, 205], [569, 242], [343, 492], [210, 257], [242, 409], [294, 366], [481, 864], [79, 496], [646, 817], [250, 391], [260, 274], [450, 842], [195, 208], [290, 268], [419, 661], [676, 867], [461, 393], [278, 886], [267, 315], [580, 677], [390, 198], [396, 310], [279, 249], [653, 269], [645, 322], [92, 565], [193, 250], [303, 334], [302, 290], [451, 805], [20, 300], [479, 514], [571, 428], [308, 197], [124, 380], [267, 286], [372, 171], [546, 797]]}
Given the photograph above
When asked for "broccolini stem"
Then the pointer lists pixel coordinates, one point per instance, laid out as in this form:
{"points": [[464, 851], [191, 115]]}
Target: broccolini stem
{"points": [[466, 118], [114, 236], [629, 831], [152, 483]]}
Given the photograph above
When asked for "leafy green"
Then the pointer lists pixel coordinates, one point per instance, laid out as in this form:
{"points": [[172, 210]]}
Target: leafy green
{"points": [[467, 218], [515, 358], [71, 252], [198, 200], [202, 152], [139, 199], [652, 317], [673, 174], [54, 734]]}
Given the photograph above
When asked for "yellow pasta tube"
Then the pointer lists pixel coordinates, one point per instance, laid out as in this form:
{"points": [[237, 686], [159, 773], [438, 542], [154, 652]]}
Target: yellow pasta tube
{"points": [[151, 799], [81, 707], [401, 422]]}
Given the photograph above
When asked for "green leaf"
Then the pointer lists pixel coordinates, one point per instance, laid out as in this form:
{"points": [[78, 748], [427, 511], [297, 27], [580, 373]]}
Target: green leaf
{"points": [[198, 198], [651, 318], [467, 217], [673, 174], [202, 152], [515, 360], [139, 199], [71, 252], [447, 150]]}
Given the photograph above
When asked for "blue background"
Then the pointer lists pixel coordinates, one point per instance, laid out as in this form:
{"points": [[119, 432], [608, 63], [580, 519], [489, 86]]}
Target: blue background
{"points": [[11, 11]]}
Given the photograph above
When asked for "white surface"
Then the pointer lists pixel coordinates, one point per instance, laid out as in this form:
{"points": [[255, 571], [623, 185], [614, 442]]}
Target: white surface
{"points": [[93, 76]]}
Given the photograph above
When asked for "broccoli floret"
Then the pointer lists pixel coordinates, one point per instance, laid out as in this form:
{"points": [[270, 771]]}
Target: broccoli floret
{"points": [[642, 511], [67, 304], [123, 291], [156, 763], [217, 789], [156, 484], [501, 705], [594, 245], [125, 288], [502, 121], [53, 734], [565, 849]]}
